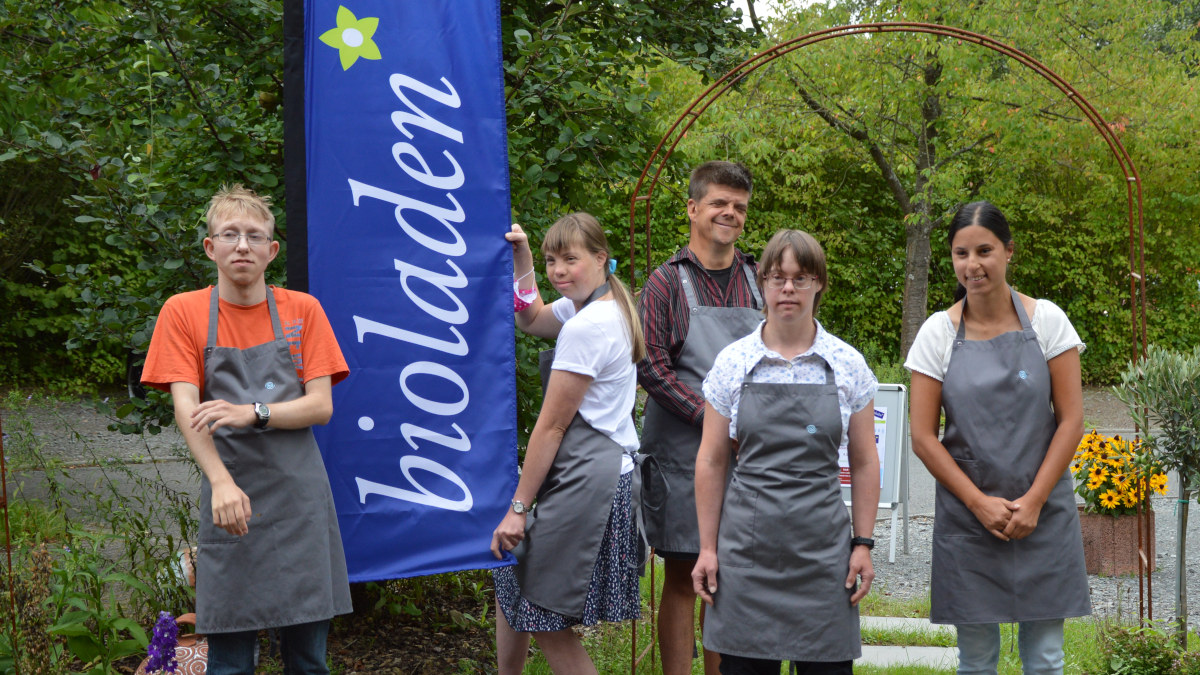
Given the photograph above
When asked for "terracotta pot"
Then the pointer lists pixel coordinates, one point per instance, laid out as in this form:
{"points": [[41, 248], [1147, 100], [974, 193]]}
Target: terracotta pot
{"points": [[1110, 543]]}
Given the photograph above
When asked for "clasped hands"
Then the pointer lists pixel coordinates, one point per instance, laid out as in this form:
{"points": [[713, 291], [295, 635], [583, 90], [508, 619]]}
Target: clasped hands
{"points": [[1006, 519]]}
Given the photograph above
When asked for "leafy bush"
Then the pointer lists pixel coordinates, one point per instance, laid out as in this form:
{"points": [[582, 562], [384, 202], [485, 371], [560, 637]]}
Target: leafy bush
{"points": [[94, 561], [1145, 651]]}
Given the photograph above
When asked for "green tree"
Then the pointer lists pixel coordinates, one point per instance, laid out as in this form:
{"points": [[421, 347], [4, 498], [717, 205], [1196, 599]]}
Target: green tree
{"points": [[896, 131], [131, 114]]}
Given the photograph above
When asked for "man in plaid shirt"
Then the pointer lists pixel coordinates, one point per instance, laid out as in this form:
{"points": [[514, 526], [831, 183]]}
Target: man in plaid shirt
{"points": [[695, 304]]}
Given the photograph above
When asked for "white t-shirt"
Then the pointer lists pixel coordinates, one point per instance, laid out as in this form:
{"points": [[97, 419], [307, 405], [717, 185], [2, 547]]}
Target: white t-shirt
{"points": [[595, 342], [930, 352]]}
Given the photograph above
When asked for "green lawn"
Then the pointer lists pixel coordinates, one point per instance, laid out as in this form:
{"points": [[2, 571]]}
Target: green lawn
{"points": [[610, 645]]}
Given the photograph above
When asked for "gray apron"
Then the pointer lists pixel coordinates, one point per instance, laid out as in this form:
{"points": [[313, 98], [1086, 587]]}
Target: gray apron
{"points": [[670, 488], [289, 568], [783, 546], [999, 422], [564, 530]]}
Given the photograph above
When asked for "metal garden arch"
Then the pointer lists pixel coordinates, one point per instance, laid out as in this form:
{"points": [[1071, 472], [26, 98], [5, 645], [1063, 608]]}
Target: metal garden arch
{"points": [[640, 202]]}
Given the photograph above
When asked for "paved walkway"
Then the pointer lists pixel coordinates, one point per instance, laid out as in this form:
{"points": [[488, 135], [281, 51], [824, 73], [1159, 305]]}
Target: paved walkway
{"points": [[883, 656]]}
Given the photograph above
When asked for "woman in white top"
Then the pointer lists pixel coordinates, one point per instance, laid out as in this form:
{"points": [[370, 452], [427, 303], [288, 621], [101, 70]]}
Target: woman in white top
{"points": [[1005, 368], [578, 549]]}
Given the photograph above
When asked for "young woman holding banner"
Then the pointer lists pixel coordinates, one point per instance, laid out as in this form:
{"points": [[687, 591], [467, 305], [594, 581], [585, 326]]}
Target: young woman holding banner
{"points": [[578, 549]]}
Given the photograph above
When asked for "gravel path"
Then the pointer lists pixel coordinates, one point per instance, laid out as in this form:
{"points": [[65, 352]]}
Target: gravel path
{"points": [[79, 437]]}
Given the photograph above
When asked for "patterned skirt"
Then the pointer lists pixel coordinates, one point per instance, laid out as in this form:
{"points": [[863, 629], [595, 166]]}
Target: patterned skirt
{"points": [[613, 592]]}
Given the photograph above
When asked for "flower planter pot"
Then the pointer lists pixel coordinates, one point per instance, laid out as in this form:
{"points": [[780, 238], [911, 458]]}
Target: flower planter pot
{"points": [[1110, 543]]}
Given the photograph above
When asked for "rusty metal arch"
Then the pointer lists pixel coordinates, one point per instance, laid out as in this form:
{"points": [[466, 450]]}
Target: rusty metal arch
{"points": [[648, 180], [1133, 185]]}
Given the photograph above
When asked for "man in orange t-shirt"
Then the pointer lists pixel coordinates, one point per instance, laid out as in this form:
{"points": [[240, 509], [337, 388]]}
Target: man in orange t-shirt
{"points": [[250, 369]]}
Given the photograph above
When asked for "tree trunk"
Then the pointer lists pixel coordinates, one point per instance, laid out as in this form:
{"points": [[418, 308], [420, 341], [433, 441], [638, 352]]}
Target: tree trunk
{"points": [[920, 221], [916, 276], [1181, 607]]}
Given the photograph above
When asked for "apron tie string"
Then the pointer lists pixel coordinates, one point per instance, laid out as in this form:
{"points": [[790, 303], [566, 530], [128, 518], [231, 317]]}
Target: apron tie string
{"points": [[644, 464]]}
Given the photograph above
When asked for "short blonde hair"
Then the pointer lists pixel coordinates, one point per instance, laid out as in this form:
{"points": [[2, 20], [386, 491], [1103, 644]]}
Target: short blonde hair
{"points": [[235, 200]]}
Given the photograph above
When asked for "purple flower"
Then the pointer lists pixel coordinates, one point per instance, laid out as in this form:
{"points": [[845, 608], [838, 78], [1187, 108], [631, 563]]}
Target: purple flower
{"points": [[162, 645]]}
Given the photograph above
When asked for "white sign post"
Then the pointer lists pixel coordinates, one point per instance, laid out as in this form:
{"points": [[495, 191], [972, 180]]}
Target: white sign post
{"points": [[891, 441]]}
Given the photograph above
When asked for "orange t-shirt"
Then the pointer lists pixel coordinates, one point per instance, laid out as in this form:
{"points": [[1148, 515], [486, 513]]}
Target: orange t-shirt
{"points": [[181, 333]]}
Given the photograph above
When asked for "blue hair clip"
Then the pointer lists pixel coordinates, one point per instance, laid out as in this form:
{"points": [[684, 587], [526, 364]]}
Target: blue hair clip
{"points": [[612, 265]]}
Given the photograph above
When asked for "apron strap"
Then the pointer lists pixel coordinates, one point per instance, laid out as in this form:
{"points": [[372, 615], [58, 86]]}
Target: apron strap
{"points": [[212, 321], [214, 304], [1026, 326], [758, 301], [1020, 307], [689, 291], [643, 462], [599, 292], [275, 325]]}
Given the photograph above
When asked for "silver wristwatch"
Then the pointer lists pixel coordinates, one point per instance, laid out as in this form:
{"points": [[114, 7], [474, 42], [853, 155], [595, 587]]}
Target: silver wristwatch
{"points": [[518, 506], [263, 413]]}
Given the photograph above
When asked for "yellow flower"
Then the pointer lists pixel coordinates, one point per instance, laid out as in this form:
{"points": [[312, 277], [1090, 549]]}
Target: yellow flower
{"points": [[1159, 483], [1130, 499], [1120, 479], [1108, 499], [1095, 482]]}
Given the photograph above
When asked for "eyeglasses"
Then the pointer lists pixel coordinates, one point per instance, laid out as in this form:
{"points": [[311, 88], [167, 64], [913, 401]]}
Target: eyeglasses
{"points": [[800, 283], [252, 238]]}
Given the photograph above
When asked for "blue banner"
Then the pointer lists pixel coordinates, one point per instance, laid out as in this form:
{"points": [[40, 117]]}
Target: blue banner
{"points": [[407, 207]]}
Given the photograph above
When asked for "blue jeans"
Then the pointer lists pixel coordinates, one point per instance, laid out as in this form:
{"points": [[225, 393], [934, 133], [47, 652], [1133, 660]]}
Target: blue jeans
{"points": [[302, 647], [1040, 643]]}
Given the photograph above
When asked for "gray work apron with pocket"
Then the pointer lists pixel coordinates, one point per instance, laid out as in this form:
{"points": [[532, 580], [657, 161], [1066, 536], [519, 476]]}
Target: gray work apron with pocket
{"points": [[289, 568], [783, 546], [669, 484], [999, 422], [564, 530]]}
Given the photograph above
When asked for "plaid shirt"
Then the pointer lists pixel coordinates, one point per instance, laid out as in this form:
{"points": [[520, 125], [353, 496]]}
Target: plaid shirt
{"points": [[665, 320]]}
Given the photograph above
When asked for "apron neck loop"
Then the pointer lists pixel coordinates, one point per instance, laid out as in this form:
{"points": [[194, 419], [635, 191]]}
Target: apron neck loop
{"points": [[214, 305], [599, 292], [758, 301], [689, 286], [1026, 326]]}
